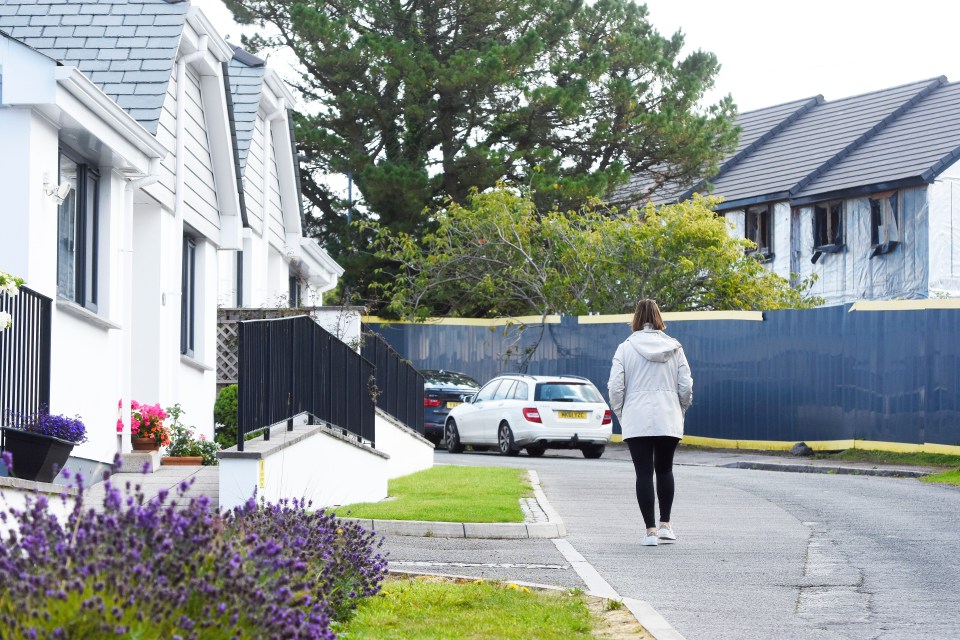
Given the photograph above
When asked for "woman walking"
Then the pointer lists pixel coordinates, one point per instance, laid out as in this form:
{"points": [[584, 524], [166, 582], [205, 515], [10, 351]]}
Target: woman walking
{"points": [[650, 388]]}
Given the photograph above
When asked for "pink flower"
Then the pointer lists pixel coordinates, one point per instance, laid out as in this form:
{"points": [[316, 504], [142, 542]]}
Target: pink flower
{"points": [[203, 438], [120, 425]]}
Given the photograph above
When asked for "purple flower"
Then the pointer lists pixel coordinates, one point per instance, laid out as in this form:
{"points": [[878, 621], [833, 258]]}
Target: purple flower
{"points": [[48, 424]]}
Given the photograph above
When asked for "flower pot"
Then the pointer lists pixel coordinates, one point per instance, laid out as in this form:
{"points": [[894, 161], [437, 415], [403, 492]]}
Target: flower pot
{"points": [[144, 444], [35, 456], [182, 461]]}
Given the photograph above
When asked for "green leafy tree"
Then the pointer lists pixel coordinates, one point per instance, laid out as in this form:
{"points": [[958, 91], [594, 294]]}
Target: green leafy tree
{"points": [[426, 101], [498, 255]]}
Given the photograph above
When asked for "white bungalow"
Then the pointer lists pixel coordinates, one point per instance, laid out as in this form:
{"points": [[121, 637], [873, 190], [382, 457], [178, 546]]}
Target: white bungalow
{"points": [[133, 104]]}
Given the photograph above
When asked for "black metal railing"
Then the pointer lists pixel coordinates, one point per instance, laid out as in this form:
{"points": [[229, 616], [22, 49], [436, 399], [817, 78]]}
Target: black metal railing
{"points": [[399, 384], [290, 366], [25, 354]]}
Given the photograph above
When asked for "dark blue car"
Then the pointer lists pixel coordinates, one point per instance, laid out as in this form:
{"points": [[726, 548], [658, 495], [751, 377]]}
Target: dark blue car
{"points": [[442, 391]]}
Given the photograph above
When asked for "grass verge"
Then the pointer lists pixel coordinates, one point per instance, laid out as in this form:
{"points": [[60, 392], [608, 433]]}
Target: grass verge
{"points": [[856, 455], [893, 457], [450, 494], [430, 608], [947, 477]]}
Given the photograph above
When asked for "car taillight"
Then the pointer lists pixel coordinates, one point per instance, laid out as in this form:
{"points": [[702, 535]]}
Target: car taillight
{"points": [[532, 415], [431, 402], [607, 418]]}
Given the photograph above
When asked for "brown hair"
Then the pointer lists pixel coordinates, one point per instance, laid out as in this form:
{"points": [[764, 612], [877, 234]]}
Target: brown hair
{"points": [[647, 313]]}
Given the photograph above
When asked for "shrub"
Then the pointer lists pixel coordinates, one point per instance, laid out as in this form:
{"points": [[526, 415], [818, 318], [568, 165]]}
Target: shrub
{"points": [[225, 416], [183, 443], [175, 568], [48, 424]]}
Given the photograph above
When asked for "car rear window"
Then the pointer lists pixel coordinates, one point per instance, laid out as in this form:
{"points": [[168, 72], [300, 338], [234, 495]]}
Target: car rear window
{"points": [[567, 392], [448, 379]]}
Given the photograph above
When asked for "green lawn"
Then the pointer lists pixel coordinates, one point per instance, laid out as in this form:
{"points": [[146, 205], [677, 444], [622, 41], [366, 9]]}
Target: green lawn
{"points": [[891, 457], [450, 494], [435, 610], [947, 477]]}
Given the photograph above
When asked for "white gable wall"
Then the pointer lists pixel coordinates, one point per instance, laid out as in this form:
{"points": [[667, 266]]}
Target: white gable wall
{"points": [[253, 178], [202, 211], [206, 209], [273, 198]]}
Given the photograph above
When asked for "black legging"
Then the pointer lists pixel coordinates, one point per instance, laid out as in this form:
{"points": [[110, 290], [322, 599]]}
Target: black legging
{"points": [[653, 453]]}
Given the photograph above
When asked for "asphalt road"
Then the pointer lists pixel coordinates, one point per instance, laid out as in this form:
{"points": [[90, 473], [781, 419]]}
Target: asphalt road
{"points": [[761, 554]]}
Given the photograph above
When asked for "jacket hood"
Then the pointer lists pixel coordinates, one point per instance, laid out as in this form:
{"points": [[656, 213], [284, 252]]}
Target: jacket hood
{"points": [[655, 346]]}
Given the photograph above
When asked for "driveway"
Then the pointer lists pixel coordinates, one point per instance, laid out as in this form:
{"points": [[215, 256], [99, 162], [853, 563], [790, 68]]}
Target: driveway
{"points": [[762, 554]]}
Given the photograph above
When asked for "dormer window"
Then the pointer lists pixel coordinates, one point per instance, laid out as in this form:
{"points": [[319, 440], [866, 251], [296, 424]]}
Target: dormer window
{"points": [[827, 228], [884, 222], [759, 223]]}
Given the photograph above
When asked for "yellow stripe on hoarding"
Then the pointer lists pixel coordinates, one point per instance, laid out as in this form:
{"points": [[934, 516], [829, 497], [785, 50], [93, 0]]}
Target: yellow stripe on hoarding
{"points": [[766, 445], [468, 322], [906, 305], [676, 316], [819, 445]]}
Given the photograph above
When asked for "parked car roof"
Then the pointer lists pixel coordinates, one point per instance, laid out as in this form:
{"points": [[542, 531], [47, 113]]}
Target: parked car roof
{"points": [[439, 377]]}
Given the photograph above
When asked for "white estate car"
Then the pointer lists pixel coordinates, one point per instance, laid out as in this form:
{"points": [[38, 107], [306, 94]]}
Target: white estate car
{"points": [[536, 413]]}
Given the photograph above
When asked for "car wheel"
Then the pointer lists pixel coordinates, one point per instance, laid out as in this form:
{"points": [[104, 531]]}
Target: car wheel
{"points": [[536, 450], [506, 442], [452, 437], [593, 451]]}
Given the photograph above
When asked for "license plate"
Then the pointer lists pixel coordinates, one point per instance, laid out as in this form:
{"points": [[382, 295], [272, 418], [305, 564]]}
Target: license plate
{"points": [[580, 415], [451, 405]]}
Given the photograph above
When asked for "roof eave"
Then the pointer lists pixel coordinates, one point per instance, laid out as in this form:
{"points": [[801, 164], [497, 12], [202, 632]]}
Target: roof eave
{"points": [[91, 96], [859, 191]]}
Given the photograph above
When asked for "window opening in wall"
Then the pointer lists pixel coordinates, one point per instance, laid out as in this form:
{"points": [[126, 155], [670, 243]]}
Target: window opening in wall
{"points": [[294, 295], [188, 301], [239, 278], [78, 231], [827, 228], [759, 223], [884, 222]]}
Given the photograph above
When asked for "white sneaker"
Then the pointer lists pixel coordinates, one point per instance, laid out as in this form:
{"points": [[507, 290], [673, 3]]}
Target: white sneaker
{"points": [[650, 540], [666, 535]]}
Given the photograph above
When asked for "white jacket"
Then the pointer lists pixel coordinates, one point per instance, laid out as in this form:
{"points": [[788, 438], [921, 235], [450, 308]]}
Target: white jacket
{"points": [[650, 386]]}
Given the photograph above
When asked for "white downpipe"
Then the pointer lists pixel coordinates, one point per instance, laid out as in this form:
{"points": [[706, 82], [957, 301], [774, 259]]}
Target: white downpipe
{"points": [[126, 285], [175, 287], [268, 158]]}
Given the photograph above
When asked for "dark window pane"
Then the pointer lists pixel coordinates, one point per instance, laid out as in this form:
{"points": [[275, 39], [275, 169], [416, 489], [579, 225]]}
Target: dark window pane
{"points": [[67, 233], [567, 392]]}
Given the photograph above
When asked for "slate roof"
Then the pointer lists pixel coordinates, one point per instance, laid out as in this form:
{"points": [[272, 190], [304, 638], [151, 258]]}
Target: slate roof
{"points": [[755, 128], [915, 147], [127, 47], [805, 146], [246, 85], [812, 150]]}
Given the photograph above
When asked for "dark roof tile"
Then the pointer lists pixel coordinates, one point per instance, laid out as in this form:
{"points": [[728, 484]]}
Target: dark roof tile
{"points": [[89, 34]]}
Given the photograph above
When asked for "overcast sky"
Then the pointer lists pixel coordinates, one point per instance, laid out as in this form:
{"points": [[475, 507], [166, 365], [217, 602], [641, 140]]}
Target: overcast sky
{"points": [[773, 51]]}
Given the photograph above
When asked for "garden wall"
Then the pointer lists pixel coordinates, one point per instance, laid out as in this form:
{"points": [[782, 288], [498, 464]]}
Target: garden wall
{"points": [[884, 372]]}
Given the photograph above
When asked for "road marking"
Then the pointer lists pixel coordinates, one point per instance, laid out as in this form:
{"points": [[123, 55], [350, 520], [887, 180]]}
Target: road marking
{"points": [[488, 565], [596, 585]]}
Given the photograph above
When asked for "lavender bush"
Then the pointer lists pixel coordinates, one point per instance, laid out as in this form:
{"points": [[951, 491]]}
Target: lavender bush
{"points": [[174, 568], [48, 424]]}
